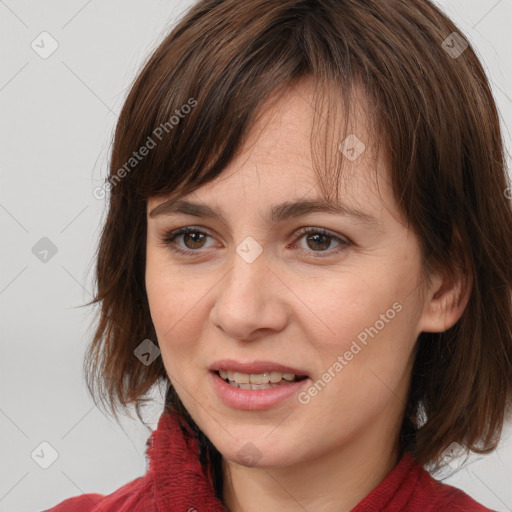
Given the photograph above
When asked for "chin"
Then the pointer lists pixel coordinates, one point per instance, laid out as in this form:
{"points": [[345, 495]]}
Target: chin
{"points": [[257, 452]]}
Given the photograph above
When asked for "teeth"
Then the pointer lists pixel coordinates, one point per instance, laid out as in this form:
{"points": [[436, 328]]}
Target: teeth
{"points": [[275, 377], [252, 386], [258, 378], [242, 378], [245, 380]]}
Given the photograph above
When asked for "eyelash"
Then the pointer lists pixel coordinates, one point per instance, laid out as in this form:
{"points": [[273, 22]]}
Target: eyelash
{"points": [[168, 240]]}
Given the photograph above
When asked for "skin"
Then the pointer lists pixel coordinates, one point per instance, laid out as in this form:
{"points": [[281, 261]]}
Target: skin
{"points": [[292, 306]]}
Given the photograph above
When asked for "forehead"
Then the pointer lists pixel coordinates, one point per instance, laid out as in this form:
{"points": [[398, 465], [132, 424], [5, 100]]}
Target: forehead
{"points": [[276, 162], [302, 122]]}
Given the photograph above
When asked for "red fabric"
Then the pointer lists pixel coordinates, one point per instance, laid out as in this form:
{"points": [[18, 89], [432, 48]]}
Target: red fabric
{"points": [[175, 482]]}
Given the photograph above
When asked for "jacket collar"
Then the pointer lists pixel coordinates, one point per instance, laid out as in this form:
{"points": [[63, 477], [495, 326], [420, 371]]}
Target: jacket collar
{"points": [[181, 485]]}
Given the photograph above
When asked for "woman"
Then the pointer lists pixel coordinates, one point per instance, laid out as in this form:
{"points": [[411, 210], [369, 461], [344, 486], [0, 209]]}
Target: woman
{"points": [[308, 243]]}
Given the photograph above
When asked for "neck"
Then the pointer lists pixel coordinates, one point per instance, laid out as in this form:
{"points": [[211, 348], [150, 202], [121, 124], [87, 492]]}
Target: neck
{"points": [[333, 482]]}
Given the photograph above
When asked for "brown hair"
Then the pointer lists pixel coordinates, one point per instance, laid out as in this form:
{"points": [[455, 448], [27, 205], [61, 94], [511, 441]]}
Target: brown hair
{"points": [[434, 113]]}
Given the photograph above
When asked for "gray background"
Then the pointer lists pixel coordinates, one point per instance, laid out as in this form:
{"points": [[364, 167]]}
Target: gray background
{"points": [[56, 125]]}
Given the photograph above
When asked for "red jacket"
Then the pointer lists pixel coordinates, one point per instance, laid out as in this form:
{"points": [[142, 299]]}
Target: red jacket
{"points": [[175, 482]]}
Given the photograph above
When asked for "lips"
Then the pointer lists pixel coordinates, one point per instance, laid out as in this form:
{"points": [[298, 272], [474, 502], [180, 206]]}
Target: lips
{"points": [[255, 367], [259, 398]]}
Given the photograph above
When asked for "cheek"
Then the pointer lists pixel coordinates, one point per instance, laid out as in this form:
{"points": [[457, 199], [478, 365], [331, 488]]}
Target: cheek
{"points": [[174, 307], [178, 331], [362, 330], [171, 294], [339, 310]]}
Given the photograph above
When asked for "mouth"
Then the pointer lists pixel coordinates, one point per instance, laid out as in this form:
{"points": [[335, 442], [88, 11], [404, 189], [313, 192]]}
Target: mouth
{"points": [[264, 380], [256, 385], [256, 391]]}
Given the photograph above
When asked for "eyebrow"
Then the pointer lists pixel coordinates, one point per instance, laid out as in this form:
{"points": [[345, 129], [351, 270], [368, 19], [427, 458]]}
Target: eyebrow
{"points": [[277, 213]]}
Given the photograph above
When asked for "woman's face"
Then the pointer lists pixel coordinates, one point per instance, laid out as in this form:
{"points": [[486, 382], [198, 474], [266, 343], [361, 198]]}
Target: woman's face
{"points": [[341, 304]]}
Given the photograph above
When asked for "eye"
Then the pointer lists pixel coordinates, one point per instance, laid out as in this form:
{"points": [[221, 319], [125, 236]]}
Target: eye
{"points": [[192, 237], [317, 239]]}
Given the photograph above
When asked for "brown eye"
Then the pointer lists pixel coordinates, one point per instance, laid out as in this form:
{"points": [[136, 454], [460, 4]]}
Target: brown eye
{"points": [[193, 239], [318, 240]]}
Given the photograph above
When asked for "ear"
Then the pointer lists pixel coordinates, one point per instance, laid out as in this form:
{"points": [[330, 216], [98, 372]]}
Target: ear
{"points": [[445, 299]]}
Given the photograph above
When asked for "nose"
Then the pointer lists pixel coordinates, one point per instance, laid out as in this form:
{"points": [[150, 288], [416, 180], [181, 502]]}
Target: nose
{"points": [[250, 300]]}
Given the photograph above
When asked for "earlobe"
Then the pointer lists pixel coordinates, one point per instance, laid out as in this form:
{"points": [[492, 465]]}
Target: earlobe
{"points": [[446, 301]]}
